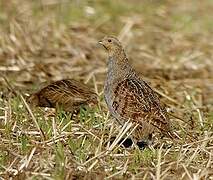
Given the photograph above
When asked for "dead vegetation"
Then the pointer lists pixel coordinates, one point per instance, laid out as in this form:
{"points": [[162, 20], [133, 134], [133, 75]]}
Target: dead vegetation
{"points": [[169, 43]]}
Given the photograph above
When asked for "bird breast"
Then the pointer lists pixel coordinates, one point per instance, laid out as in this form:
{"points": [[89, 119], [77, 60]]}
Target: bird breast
{"points": [[113, 77], [108, 86]]}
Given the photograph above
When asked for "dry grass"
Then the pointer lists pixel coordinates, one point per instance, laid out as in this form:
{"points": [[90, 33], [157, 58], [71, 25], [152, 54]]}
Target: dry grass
{"points": [[168, 42]]}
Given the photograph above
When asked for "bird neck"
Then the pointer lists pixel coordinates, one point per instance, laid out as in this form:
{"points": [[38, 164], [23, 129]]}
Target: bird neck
{"points": [[118, 64], [118, 58]]}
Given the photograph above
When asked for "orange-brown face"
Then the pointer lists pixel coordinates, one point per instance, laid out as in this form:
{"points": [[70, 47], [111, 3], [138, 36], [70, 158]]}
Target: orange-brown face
{"points": [[110, 43]]}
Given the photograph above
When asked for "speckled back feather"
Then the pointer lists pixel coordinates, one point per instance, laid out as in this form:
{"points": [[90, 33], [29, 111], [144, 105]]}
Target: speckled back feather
{"points": [[68, 93]]}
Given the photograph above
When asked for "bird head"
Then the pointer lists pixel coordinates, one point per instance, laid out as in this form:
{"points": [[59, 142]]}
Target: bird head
{"points": [[111, 44], [33, 100]]}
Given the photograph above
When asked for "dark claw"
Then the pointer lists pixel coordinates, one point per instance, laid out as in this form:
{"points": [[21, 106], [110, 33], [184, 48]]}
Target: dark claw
{"points": [[142, 145], [127, 143]]}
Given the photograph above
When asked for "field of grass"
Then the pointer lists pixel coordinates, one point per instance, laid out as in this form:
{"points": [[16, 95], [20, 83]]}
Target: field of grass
{"points": [[170, 43]]}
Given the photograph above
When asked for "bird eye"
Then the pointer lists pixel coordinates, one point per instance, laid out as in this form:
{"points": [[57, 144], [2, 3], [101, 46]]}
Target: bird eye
{"points": [[109, 40]]}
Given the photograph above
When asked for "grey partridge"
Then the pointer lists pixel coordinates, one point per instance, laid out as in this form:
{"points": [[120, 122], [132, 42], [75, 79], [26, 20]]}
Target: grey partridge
{"points": [[129, 97], [68, 94]]}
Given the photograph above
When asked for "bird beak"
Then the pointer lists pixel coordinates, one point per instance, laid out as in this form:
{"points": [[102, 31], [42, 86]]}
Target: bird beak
{"points": [[100, 42]]}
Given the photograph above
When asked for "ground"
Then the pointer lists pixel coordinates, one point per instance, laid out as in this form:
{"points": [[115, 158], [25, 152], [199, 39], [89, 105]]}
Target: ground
{"points": [[168, 42]]}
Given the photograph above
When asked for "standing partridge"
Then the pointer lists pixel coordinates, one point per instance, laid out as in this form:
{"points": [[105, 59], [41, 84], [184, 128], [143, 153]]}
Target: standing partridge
{"points": [[68, 94], [128, 97]]}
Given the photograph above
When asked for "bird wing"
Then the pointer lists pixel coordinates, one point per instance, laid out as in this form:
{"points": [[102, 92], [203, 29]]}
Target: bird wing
{"points": [[69, 94], [134, 99], [64, 93]]}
